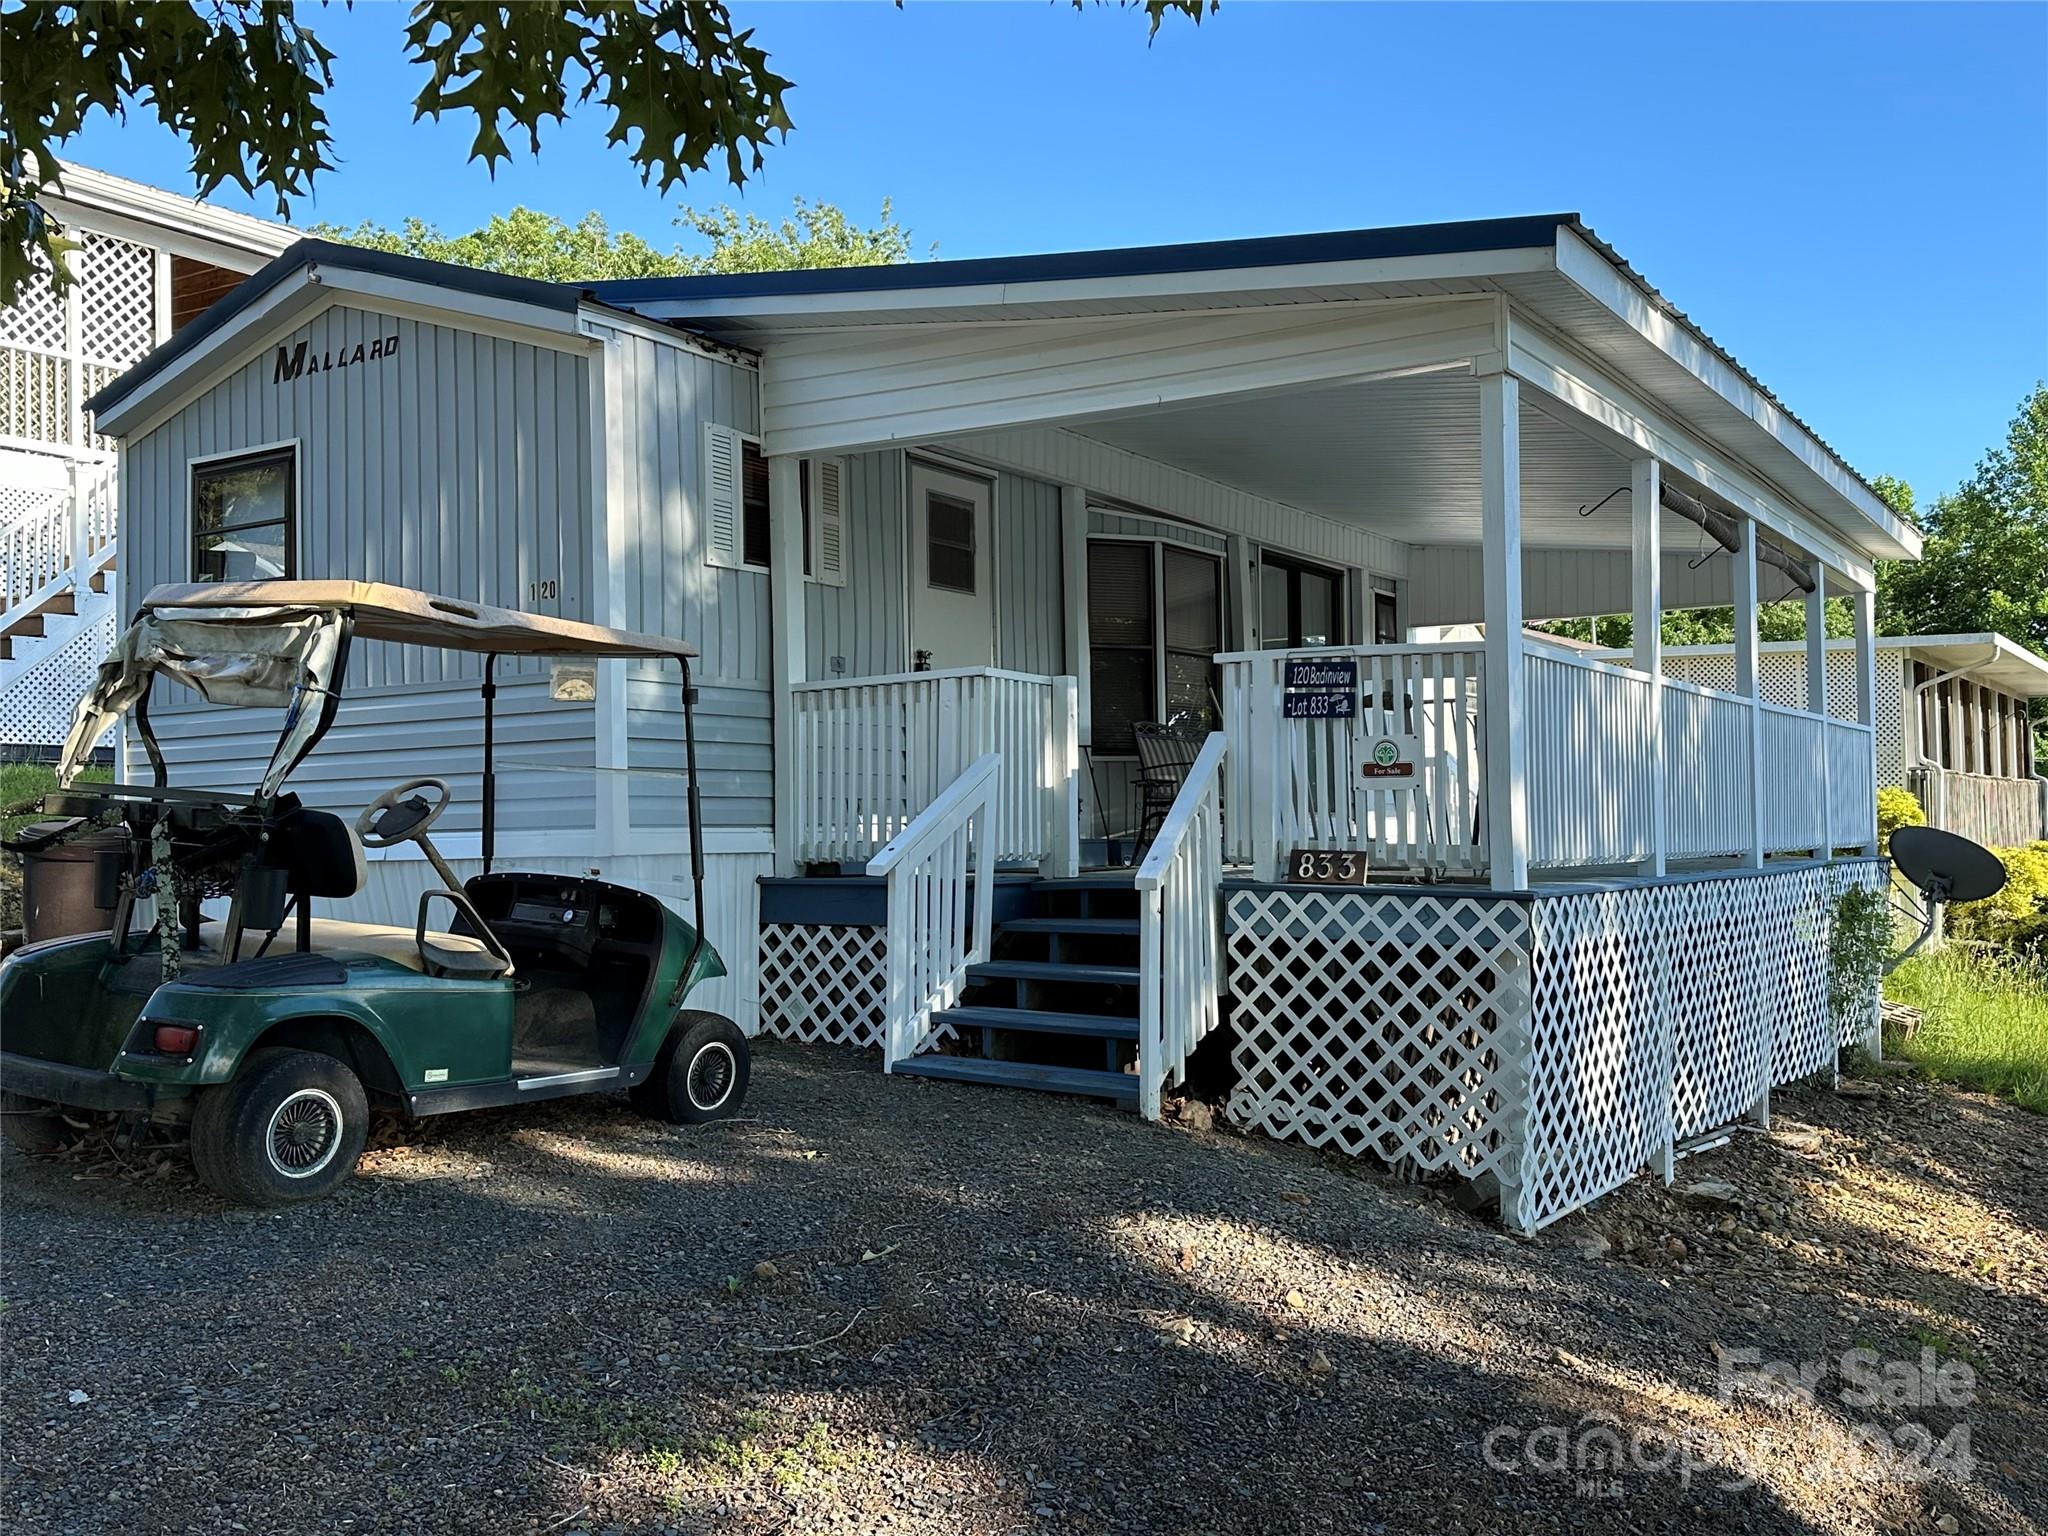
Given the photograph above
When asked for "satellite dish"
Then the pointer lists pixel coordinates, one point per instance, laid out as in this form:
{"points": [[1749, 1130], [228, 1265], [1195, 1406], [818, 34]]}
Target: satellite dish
{"points": [[1945, 867]]}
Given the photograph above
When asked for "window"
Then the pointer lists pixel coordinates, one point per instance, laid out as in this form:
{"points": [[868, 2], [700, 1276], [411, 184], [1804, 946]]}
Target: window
{"points": [[243, 511], [1386, 620], [1299, 605], [754, 535], [1193, 634], [1120, 630], [949, 542], [1155, 621]]}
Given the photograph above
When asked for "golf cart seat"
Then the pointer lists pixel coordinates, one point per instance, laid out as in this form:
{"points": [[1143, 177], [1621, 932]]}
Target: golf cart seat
{"points": [[318, 854], [459, 957]]}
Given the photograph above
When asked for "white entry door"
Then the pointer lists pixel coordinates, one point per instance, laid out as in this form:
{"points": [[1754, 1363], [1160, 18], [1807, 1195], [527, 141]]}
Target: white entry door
{"points": [[952, 604]]}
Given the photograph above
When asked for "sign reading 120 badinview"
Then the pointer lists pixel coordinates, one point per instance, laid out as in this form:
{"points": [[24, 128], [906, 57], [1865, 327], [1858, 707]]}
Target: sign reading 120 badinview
{"points": [[1320, 688]]}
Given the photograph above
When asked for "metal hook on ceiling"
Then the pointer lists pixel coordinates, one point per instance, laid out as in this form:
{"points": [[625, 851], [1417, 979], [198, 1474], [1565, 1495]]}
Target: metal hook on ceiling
{"points": [[1596, 506]]}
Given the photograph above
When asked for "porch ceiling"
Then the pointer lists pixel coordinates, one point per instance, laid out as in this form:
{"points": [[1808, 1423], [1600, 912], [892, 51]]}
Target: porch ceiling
{"points": [[1398, 456]]}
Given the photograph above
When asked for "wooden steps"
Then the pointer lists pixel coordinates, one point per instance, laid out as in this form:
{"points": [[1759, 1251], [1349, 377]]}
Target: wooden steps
{"points": [[1086, 926], [1057, 995], [1053, 970], [1039, 1021], [1082, 1082]]}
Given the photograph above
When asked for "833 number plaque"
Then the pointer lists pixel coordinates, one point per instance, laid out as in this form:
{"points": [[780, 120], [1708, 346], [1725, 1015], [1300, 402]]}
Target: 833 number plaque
{"points": [[1326, 866]]}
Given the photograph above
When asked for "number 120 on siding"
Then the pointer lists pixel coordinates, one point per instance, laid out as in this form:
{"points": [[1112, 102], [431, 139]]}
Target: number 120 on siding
{"points": [[1326, 866]]}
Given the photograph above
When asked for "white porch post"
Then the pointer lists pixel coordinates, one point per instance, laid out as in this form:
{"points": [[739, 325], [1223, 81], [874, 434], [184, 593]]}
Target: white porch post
{"points": [[1747, 680], [1817, 693], [1646, 585], [788, 649], [1817, 640], [1074, 576], [1074, 579], [1500, 555], [1864, 607]]}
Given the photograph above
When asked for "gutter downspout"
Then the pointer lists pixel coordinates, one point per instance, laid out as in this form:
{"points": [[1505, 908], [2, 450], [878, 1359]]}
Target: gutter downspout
{"points": [[1990, 654]]}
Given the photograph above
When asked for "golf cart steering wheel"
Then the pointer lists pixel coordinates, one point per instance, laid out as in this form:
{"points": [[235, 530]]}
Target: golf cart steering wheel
{"points": [[402, 814]]}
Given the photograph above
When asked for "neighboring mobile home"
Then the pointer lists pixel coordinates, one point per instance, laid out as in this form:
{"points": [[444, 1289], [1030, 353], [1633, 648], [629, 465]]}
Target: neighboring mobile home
{"points": [[949, 533]]}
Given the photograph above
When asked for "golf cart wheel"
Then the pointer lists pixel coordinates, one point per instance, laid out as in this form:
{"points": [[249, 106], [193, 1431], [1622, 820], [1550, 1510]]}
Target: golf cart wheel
{"points": [[289, 1126], [701, 1073], [35, 1126]]}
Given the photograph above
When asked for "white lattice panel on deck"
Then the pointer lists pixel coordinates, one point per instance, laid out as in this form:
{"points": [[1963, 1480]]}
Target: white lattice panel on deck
{"points": [[1665, 1011], [35, 707], [1719, 1044], [117, 310], [1379, 1024], [1598, 1062], [1790, 936], [19, 501], [823, 985], [35, 319], [35, 395]]}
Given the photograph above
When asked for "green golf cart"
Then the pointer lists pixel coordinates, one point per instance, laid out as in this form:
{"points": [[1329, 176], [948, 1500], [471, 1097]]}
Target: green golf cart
{"points": [[270, 1031]]}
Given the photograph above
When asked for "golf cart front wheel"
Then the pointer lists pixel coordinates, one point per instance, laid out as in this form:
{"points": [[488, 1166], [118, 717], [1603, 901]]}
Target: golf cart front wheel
{"points": [[288, 1127], [701, 1074]]}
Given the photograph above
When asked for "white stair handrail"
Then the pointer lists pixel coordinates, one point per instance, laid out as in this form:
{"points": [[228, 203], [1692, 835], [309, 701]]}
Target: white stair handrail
{"points": [[941, 913], [1180, 943], [56, 547]]}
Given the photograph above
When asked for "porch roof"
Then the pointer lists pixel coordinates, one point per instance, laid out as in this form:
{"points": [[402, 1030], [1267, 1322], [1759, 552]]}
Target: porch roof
{"points": [[1552, 267]]}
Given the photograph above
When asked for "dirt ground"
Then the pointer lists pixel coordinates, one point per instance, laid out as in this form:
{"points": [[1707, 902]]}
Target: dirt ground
{"points": [[875, 1304]]}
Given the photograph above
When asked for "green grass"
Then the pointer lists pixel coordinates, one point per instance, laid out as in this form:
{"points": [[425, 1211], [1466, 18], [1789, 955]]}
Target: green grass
{"points": [[1986, 1023], [19, 782]]}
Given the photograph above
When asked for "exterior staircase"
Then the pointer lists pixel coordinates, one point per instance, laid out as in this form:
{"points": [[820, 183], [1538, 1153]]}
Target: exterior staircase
{"points": [[1055, 1007], [57, 601]]}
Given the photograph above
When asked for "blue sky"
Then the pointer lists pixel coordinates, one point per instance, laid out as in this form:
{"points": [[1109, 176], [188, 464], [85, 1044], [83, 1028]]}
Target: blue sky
{"points": [[1853, 199]]}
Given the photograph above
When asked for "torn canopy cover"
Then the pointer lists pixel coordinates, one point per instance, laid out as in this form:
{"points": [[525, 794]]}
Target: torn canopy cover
{"points": [[247, 657]]}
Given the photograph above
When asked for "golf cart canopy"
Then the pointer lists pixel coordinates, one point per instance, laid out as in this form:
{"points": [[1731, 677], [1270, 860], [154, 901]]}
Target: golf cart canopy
{"points": [[284, 644]]}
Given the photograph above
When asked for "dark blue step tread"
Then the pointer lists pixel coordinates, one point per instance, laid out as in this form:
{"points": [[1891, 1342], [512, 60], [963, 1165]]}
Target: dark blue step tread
{"points": [[1039, 1021], [1074, 925], [1050, 970], [1107, 880], [1120, 1086]]}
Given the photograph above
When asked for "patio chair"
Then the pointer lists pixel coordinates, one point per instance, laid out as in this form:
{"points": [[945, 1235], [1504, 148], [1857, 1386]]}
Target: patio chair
{"points": [[1165, 754]]}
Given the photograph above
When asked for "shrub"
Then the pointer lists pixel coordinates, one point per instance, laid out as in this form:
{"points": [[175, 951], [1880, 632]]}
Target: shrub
{"points": [[2016, 919], [1897, 808], [1859, 942]]}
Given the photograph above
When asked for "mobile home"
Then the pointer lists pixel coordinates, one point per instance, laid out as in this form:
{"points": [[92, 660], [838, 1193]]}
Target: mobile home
{"points": [[954, 536]]}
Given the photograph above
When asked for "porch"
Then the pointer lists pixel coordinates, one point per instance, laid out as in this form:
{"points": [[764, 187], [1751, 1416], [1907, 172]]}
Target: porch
{"points": [[1308, 506]]}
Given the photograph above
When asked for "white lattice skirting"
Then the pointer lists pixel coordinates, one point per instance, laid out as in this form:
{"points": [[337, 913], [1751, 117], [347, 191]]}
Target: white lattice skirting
{"points": [[1380, 1024], [823, 985], [1557, 1045], [35, 706]]}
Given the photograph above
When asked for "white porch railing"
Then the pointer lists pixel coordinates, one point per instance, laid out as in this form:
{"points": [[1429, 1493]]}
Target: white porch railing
{"points": [[1707, 805], [1591, 731], [939, 924], [1850, 751], [52, 547], [1296, 784], [871, 753], [1794, 805], [1180, 940], [1589, 769], [2000, 813]]}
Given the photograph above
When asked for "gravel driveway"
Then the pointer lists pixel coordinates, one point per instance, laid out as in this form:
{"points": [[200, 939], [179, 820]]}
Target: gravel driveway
{"points": [[877, 1303]]}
